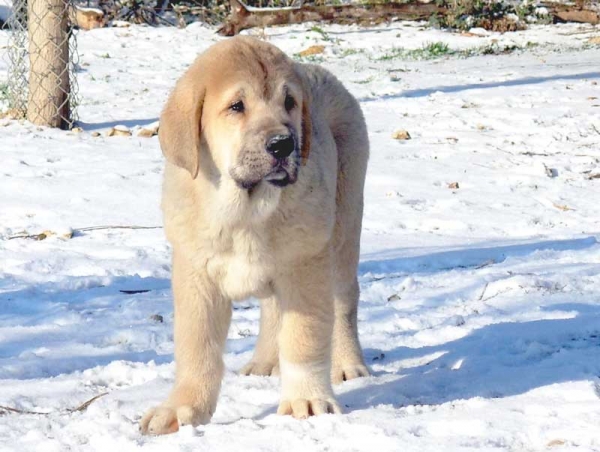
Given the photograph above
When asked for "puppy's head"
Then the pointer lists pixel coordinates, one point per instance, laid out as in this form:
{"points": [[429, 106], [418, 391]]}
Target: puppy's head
{"points": [[244, 108]]}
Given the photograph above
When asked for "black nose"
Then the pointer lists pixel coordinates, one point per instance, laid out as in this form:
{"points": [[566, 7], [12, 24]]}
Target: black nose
{"points": [[281, 146]]}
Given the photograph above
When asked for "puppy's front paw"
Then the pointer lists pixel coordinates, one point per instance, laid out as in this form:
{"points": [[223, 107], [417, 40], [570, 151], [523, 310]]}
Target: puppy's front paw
{"points": [[187, 405], [303, 408], [165, 419], [264, 368]]}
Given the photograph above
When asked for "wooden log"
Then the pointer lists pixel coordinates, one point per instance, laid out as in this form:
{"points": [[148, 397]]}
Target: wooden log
{"points": [[243, 16], [48, 102], [579, 12]]}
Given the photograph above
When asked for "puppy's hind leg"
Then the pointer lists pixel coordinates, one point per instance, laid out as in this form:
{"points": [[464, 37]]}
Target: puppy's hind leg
{"points": [[265, 360], [347, 357], [351, 138]]}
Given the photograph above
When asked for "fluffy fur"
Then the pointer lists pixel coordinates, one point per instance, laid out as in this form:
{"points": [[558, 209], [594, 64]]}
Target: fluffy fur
{"points": [[243, 223]]}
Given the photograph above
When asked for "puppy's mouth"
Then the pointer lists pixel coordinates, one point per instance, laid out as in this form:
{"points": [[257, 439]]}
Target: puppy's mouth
{"points": [[277, 172], [279, 177]]}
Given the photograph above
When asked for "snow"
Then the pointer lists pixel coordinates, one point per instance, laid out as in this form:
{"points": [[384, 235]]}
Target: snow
{"points": [[480, 305]]}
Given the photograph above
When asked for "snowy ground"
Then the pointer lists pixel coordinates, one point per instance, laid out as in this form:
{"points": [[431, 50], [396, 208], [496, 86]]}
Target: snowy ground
{"points": [[480, 312]]}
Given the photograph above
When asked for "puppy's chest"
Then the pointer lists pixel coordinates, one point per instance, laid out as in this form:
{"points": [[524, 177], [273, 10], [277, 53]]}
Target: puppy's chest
{"points": [[242, 263]]}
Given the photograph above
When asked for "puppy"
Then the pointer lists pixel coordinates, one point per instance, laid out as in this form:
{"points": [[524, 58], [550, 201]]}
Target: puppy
{"points": [[263, 197]]}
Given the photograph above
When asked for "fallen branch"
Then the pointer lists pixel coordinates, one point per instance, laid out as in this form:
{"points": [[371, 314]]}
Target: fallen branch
{"points": [[84, 406], [483, 291], [44, 235], [580, 12], [18, 411], [24, 235], [242, 16], [96, 228]]}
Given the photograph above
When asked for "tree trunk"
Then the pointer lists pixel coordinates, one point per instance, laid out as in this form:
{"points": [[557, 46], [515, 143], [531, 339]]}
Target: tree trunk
{"points": [[49, 88]]}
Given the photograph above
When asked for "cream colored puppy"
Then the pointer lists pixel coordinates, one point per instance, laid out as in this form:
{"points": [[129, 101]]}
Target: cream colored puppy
{"points": [[263, 196]]}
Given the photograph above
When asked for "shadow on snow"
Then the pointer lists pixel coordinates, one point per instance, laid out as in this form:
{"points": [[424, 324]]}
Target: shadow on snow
{"points": [[392, 261], [497, 360], [487, 85]]}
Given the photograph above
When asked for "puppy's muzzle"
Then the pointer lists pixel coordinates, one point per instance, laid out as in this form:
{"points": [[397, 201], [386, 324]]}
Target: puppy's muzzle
{"points": [[281, 147], [275, 161]]}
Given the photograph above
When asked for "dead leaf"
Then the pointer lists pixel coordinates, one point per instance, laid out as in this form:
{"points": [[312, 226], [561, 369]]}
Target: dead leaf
{"points": [[556, 442], [157, 318], [149, 131], [453, 185], [146, 133], [401, 135], [594, 40], [312, 50], [119, 131], [562, 207]]}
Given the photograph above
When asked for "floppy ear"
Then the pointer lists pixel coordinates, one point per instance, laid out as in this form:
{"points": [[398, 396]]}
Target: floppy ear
{"points": [[179, 131], [306, 127]]}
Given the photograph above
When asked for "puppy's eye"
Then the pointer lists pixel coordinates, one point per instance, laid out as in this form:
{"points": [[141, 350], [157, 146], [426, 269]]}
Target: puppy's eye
{"points": [[237, 106], [289, 102]]}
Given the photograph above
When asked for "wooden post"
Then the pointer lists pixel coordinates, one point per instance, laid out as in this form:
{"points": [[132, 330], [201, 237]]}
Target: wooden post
{"points": [[49, 88]]}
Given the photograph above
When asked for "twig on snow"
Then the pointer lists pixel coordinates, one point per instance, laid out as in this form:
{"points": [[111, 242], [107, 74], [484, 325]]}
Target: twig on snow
{"points": [[96, 228], [496, 294], [483, 291], [25, 235], [485, 264], [18, 411], [84, 406], [46, 234]]}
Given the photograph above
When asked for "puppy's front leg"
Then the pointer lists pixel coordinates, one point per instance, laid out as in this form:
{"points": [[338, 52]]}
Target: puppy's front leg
{"points": [[202, 317], [306, 298]]}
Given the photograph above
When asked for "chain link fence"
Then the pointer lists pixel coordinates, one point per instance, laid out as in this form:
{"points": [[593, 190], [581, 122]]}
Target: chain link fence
{"points": [[42, 54]]}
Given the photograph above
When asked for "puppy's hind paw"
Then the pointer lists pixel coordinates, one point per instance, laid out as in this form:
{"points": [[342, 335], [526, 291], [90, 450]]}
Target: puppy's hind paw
{"points": [[264, 368], [340, 374]]}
